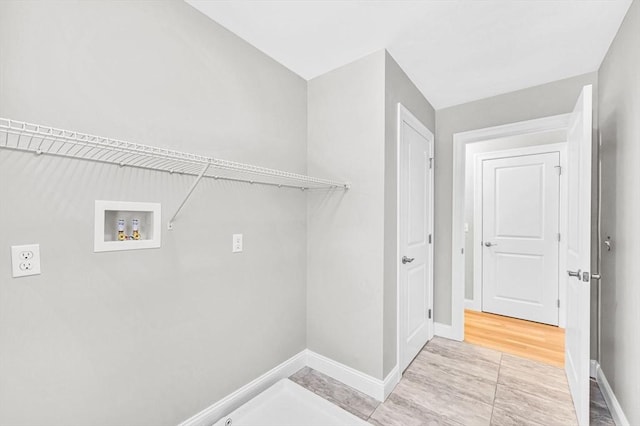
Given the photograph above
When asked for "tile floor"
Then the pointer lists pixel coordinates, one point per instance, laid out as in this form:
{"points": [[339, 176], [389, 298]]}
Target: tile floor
{"points": [[599, 412], [456, 383]]}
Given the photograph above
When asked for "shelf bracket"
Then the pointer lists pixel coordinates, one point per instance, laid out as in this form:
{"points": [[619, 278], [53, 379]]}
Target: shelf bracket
{"points": [[184, 201]]}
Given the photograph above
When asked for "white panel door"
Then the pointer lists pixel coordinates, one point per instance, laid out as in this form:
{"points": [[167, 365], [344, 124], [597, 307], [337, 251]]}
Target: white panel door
{"points": [[579, 255], [520, 226], [415, 144]]}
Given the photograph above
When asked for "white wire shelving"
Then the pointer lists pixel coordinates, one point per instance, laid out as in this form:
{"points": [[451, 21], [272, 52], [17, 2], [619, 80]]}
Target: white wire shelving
{"points": [[46, 140]]}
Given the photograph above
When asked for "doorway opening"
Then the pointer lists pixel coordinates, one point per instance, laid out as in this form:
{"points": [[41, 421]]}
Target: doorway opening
{"points": [[511, 209], [575, 259], [515, 215]]}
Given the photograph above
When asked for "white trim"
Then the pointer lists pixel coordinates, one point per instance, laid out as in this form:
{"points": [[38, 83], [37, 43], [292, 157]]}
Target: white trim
{"points": [[612, 402], [390, 382], [366, 384], [471, 304], [149, 212], [557, 122], [375, 388], [447, 331], [545, 124], [559, 147], [213, 413], [593, 369], [405, 115]]}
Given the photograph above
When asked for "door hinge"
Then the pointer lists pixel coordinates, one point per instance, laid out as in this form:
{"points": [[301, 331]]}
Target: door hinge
{"points": [[429, 313], [559, 168], [559, 237], [431, 163], [558, 303], [429, 238]]}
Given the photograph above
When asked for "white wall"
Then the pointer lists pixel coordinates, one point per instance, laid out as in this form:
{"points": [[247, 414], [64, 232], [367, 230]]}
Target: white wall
{"points": [[145, 337], [619, 94], [346, 231]]}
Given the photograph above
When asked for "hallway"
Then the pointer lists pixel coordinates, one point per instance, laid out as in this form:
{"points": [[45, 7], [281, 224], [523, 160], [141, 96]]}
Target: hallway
{"points": [[538, 342]]}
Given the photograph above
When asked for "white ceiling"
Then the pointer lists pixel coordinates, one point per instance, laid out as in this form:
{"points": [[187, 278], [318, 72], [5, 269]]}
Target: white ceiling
{"points": [[454, 51]]}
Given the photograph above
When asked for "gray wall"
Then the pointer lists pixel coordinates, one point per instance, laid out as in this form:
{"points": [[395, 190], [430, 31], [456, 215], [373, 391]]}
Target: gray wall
{"points": [[351, 270], [398, 88], [554, 98], [619, 87], [346, 114], [472, 150], [146, 337]]}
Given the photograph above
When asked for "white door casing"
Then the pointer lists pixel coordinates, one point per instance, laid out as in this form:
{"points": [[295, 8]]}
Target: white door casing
{"points": [[577, 334], [520, 244], [460, 140], [415, 236]]}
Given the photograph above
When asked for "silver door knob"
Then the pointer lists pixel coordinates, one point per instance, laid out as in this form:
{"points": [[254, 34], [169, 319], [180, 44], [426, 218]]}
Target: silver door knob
{"points": [[576, 274], [489, 244], [406, 259]]}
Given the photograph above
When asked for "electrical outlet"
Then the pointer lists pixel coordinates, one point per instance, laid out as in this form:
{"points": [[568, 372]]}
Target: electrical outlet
{"points": [[237, 243], [25, 260]]}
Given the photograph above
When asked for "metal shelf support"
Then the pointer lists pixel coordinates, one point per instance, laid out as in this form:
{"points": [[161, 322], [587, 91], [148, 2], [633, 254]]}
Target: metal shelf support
{"points": [[184, 201]]}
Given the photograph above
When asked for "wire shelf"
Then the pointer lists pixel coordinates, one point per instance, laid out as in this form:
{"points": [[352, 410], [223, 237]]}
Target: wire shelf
{"points": [[21, 136]]}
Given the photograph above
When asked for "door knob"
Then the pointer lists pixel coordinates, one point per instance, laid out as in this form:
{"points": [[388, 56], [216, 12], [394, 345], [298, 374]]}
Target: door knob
{"points": [[489, 244], [406, 259], [576, 274]]}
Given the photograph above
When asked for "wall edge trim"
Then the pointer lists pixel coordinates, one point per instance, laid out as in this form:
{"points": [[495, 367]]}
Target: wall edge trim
{"points": [[447, 331], [375, 388], [219, 409], [610, 398], [362, 382]]}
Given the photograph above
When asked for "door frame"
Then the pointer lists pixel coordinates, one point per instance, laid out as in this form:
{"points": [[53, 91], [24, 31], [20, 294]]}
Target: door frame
{"points": [[479, 158], [404, 115], [556, 122]]}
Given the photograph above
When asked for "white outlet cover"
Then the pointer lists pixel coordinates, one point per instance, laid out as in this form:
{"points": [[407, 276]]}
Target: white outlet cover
{"points": [[237, 243], [25, 260]]}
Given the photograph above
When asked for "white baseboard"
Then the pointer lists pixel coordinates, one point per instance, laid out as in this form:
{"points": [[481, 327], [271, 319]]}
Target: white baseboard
{"points": [[375, 388], [366, 384], [593, 369], [472, 305], [390, 382], [213, 413], [612, 402], [444, 330]]}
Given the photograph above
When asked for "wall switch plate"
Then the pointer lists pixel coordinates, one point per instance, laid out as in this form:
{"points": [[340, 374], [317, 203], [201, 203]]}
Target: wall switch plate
{"points": [[25, 260], [237, 243]]}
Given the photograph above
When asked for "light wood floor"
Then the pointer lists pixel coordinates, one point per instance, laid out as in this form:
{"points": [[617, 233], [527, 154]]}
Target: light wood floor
{"points": [[539, 342]]}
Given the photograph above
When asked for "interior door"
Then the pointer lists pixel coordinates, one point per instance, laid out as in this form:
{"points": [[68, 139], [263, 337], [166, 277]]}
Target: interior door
{"points": [[520, 227], [579, 254], [415, 241]]}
